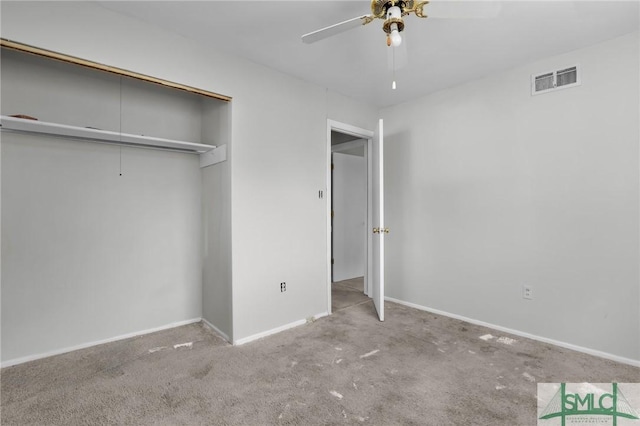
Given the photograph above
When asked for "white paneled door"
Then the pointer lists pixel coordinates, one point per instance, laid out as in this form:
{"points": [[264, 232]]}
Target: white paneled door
{"points": [[378, 229]]}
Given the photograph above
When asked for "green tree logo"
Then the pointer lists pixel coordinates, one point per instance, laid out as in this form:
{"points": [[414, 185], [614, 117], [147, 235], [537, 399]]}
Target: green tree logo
{"points": [[612, 404]]}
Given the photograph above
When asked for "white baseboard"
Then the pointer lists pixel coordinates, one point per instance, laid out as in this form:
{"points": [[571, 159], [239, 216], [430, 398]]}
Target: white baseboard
{"points": [[275, 330], [217, 330], [565, 345], [28, 358]]}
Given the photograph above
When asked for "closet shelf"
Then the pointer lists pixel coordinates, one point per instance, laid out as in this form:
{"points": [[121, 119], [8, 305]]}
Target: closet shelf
{"points": [[21, 125]]}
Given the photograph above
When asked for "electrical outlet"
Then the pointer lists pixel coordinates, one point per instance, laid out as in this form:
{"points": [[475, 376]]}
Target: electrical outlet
{"points": [[527, 292], [283, 287]]}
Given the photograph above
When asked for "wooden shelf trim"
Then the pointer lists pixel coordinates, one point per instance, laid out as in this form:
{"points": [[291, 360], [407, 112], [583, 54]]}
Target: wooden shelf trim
{"points": [[9, 44]]}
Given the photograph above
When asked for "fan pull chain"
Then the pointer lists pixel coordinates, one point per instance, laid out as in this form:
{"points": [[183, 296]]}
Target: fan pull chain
{"points": [[393, 65]]}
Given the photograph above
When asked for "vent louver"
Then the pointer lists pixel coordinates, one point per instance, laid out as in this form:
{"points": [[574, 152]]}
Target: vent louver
{"points": [[554, 80], [567, 76], [544, 82]]}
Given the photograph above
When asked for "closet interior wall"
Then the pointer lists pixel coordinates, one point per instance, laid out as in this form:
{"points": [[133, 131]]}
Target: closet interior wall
{"points": [[99, 241]]}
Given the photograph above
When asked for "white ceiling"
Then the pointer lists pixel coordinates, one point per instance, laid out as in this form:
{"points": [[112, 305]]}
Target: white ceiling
{"points": [[440, 52]]}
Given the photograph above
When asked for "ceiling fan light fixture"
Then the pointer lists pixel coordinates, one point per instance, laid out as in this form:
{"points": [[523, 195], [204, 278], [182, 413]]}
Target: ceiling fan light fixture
{"points": [[393, 25], [396, 38]]}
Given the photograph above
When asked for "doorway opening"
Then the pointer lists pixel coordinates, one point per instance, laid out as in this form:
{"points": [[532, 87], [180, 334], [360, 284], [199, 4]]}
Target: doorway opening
{"points": [[349, 215]]}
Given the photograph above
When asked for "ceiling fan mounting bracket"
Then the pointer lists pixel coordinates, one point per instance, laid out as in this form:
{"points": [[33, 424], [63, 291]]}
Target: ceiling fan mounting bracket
{"points": [[379, 8]]}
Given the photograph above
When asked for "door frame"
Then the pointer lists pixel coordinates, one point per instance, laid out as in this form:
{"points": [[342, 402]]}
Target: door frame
{"points": [[367, 135]]}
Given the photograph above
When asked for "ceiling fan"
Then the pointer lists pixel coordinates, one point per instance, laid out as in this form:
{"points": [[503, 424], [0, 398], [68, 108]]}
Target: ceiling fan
{"points": [[390, 11]]}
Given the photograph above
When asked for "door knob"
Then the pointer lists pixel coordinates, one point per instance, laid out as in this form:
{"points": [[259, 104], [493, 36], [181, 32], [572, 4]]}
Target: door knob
{"points": [[380, 230]]}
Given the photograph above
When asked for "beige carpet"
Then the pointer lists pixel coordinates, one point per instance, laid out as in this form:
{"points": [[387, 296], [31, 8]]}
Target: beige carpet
{"points": [[347, 293], [413, 369]]}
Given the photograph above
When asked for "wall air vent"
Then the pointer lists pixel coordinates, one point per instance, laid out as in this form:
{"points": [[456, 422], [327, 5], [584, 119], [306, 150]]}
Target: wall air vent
{"points": [[554, 80]]}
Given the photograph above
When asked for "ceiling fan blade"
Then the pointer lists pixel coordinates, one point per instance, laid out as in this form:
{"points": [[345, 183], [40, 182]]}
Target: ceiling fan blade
{"points": [[336, 29], [456, 9]]}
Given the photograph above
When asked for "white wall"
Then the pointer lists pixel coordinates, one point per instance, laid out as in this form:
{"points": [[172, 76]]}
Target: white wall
{"points": [[277, 221], [216, 213], [88, 254], [489, 188], [350, 208], [481, 195], [99, 242]]}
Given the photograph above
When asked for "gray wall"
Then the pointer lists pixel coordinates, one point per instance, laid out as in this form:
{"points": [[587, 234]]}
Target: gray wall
{"points": [[279, 155], [89, 254], [489, 188], [349, 195], [216, 214]]}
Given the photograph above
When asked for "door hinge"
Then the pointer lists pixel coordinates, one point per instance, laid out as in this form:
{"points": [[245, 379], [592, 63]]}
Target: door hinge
{"points": [[332, 261], [332, 166], [332, 214]]}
